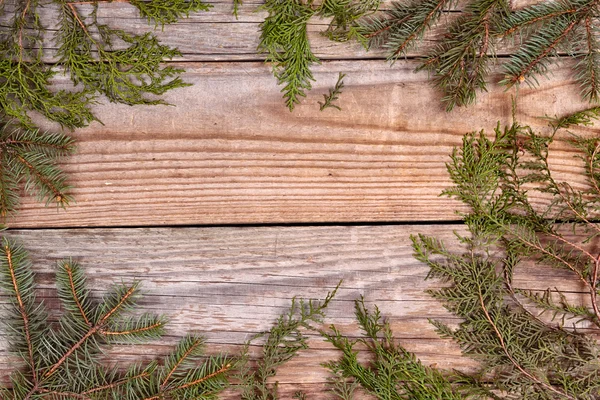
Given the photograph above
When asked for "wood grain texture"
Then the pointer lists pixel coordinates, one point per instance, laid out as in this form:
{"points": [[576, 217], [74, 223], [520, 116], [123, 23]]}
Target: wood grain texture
{"points": [[229, 283], [216, 35], [229, 152]]}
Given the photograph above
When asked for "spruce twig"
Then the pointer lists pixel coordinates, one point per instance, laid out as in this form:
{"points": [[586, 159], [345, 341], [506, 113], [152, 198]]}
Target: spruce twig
{"points": [[28, 157], [62, 362]]}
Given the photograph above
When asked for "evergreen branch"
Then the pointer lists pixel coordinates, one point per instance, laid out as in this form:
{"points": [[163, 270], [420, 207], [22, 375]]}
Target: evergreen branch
{"points": [[393, 373], [236, 7], [169, 11], [512, 359], [113, 385], [31, 155], [283, 342], [20, 286], [531, 57], [92, 330], [47, 179], [589, 65], [61, 362], [189, 346], [152, 328], [333, 95], [76, 288], [127, 75]]}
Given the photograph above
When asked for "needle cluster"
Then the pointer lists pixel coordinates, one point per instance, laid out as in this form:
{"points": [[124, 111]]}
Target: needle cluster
{"points": [[61, 361], [459, 64]]}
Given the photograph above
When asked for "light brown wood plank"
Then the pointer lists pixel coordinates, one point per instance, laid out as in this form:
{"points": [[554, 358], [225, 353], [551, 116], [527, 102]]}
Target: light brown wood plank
{"points": [[229, 152], [229, 283], [216, 35]]}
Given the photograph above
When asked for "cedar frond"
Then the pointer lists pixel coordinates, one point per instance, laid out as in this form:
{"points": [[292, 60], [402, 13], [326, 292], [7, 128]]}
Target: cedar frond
{"points": [[124, 67], [393, 373], [281, 343], [284, 38], [334, 94], [169, 11]]}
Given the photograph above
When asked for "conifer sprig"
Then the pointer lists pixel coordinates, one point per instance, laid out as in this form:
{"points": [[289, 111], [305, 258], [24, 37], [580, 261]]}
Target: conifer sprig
{"points": [[284, 38], [459, 65], [28, 157], [281, 343], [529, 344], [62, 362], [334, 94], [393, 373], [126, 68]]}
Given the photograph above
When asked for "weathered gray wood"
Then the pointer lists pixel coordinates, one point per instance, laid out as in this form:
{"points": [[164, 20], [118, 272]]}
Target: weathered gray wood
{"points": [[229, 283], [230, 152]]}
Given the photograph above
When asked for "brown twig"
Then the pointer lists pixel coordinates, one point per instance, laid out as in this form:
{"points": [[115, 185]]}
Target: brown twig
{"points": [[74, 293], [196, 343], [76, 16], [23, 313], [511, 358]]}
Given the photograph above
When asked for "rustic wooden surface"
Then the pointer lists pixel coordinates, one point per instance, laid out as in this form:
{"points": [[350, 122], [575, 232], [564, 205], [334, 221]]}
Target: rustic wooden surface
{"points": [[229, 152], [230, 283]]}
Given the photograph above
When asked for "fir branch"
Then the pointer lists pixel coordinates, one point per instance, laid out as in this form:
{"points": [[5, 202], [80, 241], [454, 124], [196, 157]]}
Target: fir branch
{"points": [[62, 362], [334, 94]]}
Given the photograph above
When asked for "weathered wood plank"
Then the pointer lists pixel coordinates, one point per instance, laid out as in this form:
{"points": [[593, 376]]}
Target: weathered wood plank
{"points": [[230, 283], [216, 35], [229, 152]]}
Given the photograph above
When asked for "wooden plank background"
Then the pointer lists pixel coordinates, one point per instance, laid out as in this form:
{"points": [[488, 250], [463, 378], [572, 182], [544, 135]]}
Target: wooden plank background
{"points": [[230, 283], [158, 191]]}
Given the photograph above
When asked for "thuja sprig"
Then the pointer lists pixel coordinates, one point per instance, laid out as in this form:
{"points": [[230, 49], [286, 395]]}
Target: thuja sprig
{"points": [[62, 361], [126, 68], [281, 343], [528, 343], [28, 157], [392, 373], [524, 354], [284, 38], [334, 94]]}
